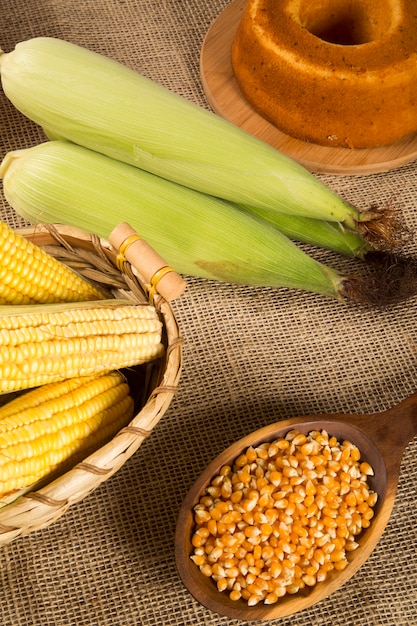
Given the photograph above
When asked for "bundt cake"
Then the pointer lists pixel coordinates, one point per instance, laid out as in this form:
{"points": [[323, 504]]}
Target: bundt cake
{"points": [[331, 72]]}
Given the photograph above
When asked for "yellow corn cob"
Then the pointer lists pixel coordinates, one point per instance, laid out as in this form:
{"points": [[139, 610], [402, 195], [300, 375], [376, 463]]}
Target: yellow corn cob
{"points": [[46, 426], [75, 339], [29, 275]]}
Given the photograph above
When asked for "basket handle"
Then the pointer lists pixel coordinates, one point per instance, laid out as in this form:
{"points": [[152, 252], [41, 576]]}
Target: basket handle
{"points": [[157, 275]]}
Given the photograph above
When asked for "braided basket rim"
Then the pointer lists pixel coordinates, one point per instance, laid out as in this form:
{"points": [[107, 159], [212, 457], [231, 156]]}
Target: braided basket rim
{"points": [[94, 258]]}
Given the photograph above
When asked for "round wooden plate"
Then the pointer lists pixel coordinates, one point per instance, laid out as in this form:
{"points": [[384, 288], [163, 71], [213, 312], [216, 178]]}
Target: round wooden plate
{"points": [[226, 100]]}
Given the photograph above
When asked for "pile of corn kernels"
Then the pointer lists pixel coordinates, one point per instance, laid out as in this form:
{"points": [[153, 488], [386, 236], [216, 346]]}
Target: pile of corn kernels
{"points": [[284, 516]]}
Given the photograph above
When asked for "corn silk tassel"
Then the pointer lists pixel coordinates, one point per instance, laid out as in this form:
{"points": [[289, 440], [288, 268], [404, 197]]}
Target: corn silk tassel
{"points": [[114, 110], [198, 234]]}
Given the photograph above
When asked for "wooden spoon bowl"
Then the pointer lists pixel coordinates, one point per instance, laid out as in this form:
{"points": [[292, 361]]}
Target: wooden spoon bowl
{"points": [[381, 438]]}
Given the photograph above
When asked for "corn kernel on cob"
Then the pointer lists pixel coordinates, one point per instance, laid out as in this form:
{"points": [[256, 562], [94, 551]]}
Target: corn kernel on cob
{"points": [[46, 426], [76, 339], [29, 275]]}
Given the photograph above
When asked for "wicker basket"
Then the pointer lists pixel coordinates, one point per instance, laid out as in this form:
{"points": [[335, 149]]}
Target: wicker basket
{"points": [[95, 259]]}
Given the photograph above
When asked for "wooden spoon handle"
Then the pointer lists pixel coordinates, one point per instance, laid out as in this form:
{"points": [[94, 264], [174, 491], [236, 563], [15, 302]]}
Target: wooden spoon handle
{"points": [[391, 430], [402, 420]]}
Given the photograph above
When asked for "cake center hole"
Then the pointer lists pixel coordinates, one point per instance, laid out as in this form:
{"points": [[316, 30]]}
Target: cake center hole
{"points": [[343, 22]]}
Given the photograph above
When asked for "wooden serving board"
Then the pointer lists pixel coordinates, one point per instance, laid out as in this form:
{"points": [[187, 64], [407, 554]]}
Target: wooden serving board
{"points": [[225, 98]]}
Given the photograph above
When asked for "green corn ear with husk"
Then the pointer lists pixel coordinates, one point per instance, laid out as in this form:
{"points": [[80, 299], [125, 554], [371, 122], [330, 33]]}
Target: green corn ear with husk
{"points": [[84, 97], [197, 234], [329, 235]]}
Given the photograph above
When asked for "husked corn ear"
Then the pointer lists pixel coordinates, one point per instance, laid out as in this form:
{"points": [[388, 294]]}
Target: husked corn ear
{"points": [[29, 275], [46, 426], [75, 339]]}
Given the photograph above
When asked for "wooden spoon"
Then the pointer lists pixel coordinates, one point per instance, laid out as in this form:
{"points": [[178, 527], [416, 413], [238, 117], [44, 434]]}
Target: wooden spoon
{"points": [[381, 438]]}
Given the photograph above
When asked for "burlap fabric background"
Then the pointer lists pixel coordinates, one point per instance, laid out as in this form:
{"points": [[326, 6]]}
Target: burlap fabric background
{"points": [[252, 356]]}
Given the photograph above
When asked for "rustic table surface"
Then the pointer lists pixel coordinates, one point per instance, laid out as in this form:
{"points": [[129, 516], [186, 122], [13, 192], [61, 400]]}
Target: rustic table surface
{"points": [[252, 356]]}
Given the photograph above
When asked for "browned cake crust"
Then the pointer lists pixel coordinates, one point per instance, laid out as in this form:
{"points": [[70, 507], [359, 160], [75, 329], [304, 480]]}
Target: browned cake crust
{"points": [[332, 72]]}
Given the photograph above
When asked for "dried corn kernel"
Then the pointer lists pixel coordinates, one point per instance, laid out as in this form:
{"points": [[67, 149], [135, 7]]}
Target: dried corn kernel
{"points": [[283, 516]]}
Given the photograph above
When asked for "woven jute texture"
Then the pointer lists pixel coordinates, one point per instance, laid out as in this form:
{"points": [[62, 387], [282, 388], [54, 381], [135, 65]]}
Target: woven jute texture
{"points": [[252, 356]]}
